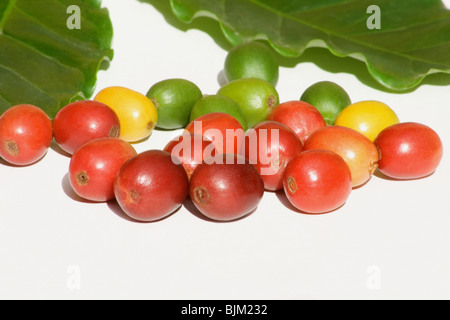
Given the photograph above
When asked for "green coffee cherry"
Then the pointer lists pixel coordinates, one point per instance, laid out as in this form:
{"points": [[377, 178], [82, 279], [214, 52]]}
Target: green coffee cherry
{"points": [[255, 97], [252, 60], [215, 103], [174, 99], [328, 97]]}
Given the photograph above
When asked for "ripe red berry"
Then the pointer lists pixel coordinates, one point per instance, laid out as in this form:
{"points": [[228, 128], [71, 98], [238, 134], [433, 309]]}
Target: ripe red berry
{"points": [[409, 151], [25, 134], [151, 186], [270, 146], [94, 166], [317, 181], [226, 187], [83, 121], [191, 149]]}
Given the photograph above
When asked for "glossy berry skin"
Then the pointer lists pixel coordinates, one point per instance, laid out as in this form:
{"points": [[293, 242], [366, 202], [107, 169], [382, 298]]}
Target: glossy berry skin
{"points": [[360, 154], [94, 166], [151, 186], [270, 146], [137, 114], [256, 97], [215, 103], [82, 121], [329, 98], [300, 116], [191, 149], [225, 131], [25, 134], [226, 188], [252, 60], [409, 151], [174, 99], [317, 181], [368, 117]]}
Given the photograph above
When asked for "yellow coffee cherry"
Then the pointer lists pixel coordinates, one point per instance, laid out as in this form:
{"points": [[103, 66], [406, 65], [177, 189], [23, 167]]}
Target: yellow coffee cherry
{"points": [[367, 117], [137, 113]]}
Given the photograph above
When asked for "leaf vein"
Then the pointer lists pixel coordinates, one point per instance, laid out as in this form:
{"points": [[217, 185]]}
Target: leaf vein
{"points": [[8, 10], [340, 36], [39, 52], [27, 81], [61, 39]]}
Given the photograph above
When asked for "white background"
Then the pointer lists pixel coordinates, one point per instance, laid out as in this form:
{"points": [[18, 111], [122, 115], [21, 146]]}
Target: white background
{"points": [[390, 241]]}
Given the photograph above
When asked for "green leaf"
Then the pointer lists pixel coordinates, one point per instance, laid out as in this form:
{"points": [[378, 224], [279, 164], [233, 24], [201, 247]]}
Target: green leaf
{"points": [[413, 42], [44, 62]]}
